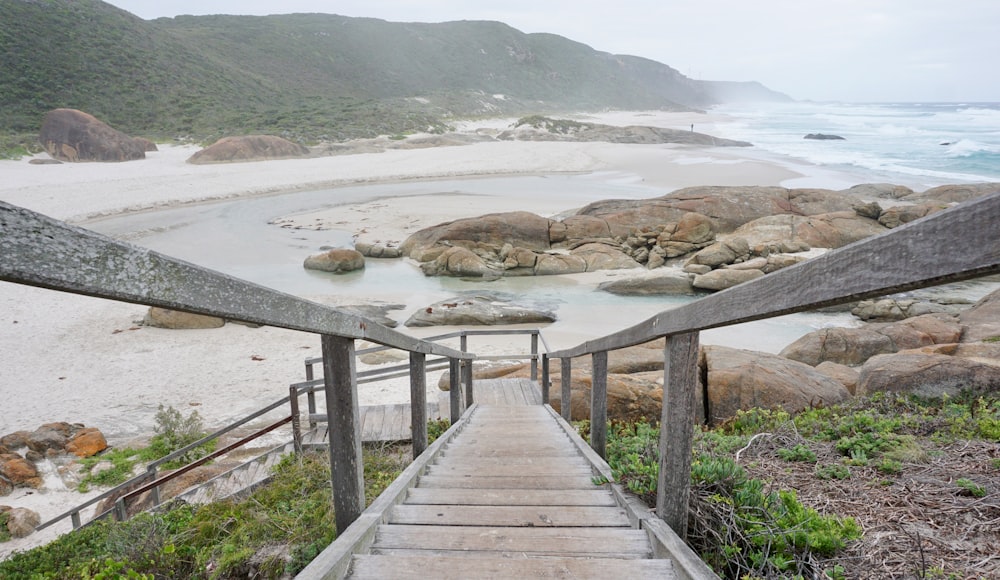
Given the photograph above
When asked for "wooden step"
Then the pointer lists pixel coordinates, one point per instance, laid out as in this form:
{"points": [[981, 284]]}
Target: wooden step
{"points": [[530, 516], [508, 482], [599, 542], [567, 497], [440, 567]]}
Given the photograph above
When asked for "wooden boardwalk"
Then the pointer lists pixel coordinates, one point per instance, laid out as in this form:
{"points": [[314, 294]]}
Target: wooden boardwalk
{"points": [[393, 422], [508, 492]]}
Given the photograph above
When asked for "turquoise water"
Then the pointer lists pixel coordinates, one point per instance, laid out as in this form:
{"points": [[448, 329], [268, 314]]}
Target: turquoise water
{"points": [[923, 144]]}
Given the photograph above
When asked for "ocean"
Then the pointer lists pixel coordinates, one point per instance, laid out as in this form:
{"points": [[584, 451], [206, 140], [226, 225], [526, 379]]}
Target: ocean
{"points": [[916, 144]]}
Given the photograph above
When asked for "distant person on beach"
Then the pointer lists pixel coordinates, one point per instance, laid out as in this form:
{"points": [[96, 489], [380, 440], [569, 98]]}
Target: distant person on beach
{"points": [[692, 127]]}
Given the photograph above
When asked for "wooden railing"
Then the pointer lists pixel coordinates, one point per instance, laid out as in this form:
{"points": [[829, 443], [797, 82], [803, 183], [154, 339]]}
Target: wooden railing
{"points": [[956, 244], [460, 379], [40, 251]]}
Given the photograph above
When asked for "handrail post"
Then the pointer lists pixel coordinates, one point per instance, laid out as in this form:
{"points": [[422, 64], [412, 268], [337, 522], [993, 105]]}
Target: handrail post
{"points": [[454, 390], [311, 395], [680, 379], [418, 402], [463, 342], [467, 381], [75, 518], [293, 402], [566, 388], [346, 473], [534, 355], [545, 379], [155, 492], [599, 402]]}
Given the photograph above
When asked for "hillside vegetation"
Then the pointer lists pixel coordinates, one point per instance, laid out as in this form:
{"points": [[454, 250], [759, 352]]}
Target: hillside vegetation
{"points": [[309, 76]]}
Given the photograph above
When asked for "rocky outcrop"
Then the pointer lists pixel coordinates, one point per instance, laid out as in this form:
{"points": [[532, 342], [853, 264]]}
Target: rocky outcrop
{"points": [[21, 522], [892, 309], [378, 250], [477, 310], [982, 321], [724, 278], [337, 261], [87, 442], [879, 191], [824, 137], [664, 282], [741, 379], [854, 346], [539, 128], [519, 229], [177, 320], [72, 135], [927, 375], [248, 148], [828, 230], [898, 215], [843, 374], [18, 471], [954, 193]]}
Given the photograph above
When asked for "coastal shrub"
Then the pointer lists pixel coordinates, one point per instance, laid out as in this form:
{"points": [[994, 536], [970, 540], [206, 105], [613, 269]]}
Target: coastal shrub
{"points": [[798, 453], [4, 532], [833, 471], [225, 539], [436, 428], [970, 487]]}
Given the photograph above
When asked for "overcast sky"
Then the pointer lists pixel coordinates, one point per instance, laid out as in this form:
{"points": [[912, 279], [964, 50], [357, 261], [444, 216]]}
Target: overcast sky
{"points": [[825, 50]]}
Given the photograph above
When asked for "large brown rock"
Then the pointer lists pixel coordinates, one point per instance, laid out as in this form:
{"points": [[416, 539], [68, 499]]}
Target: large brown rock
{"points": [[337, 260], [72, 135], [177, 320], [727, 206], [982, 321], [603, 257], [458, 261], [742, 379], [631, 397], [724, 278], [663, 283], [21, 522], [927, 375], [830, 230], [477, 310], [248, 148], [853, 346], [49, 437], [555, 264], [879, 191], [578, 227], [522, 229], [896, 216], [87, 442], [955, 193], [19, 471]]}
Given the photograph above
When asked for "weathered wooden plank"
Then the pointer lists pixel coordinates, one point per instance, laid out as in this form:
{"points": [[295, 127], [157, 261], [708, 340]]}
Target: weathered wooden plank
{"points": [[475, 469], [514, 461], [565, 388], [374, 418], [419, 411], [557, 552], [680, 381], [508, 482], [956, 244], [589, 541], [533, 516], [346, 465], [599, 403], [503, 452], [421, 568], [595, 497]]}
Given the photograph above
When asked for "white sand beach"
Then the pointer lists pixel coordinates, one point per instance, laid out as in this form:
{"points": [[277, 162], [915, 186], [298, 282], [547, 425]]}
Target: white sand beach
{"points": [[79, 359]]}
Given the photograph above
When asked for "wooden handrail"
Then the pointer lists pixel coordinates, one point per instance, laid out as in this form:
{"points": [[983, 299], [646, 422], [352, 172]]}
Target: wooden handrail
{"points": [[37, 250]]}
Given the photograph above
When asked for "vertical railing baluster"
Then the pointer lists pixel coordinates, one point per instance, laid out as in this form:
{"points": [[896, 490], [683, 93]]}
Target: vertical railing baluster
{"points": [[680, 379], [418, 402], [534, 355], [347, 474], [311, 395], [454, 389], [467, 381], [545, 379], [599, 402], [293, 402], [566, 388]]}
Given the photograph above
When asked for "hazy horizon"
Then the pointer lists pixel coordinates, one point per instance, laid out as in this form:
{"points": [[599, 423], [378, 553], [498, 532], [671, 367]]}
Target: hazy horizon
{"points": [[827, 50]]}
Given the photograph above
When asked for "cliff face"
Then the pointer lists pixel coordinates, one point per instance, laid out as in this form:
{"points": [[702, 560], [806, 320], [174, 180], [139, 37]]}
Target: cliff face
{"points": [[308, 76]]}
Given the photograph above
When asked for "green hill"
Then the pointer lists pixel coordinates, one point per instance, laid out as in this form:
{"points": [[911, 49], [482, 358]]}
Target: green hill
{"points": [[306, 76]]}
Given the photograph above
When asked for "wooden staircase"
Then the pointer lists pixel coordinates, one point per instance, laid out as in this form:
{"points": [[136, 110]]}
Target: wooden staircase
{"points": [[510, 496]]}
